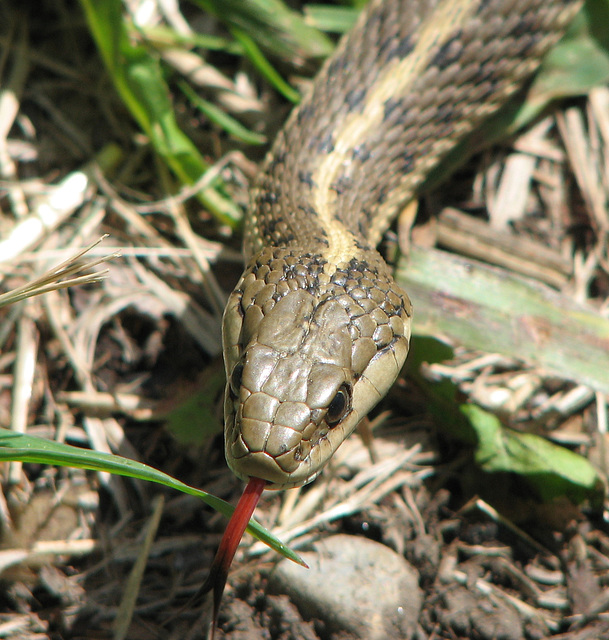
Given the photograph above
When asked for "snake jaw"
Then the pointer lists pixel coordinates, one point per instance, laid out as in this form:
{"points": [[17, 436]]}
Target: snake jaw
{"points": [[308, 355]]}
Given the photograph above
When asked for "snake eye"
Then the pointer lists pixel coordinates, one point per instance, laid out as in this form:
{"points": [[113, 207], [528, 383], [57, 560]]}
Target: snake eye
{"points": [[340, 405], [235, 379]]}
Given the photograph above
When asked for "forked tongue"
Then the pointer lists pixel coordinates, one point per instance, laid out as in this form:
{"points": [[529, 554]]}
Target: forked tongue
{"points": [[218, 573]]}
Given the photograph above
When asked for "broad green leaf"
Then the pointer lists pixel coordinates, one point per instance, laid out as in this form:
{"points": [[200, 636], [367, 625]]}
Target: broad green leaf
{"points": [[551, 470], [442, 394]]}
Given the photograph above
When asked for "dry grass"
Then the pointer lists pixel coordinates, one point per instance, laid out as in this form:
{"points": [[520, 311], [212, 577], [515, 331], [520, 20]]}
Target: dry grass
{"points": [[132, 365]]}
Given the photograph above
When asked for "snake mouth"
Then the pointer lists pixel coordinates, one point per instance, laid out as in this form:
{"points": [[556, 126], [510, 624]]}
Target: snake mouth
{"points": [[262, 465]]}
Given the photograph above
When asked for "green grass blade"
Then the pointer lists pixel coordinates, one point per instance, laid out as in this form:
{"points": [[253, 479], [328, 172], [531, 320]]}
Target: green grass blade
{"points": [[257, 58], [221, 118], [24, 448], [331, 19], [275, 27], [161, 36], [139, 81]]}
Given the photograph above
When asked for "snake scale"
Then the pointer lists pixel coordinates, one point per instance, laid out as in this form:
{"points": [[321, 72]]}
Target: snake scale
{"points": [[316, 331]]}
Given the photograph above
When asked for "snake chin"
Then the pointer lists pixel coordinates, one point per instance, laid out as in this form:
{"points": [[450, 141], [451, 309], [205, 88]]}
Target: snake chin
{"points": [[304, 366]]}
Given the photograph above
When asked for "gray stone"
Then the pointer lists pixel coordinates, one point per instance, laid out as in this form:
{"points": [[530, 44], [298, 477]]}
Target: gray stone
{"points": [[354, 585]]}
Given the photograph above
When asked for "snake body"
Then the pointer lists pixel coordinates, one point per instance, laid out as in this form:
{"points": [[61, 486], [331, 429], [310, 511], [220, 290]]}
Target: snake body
{"points": [[316, 331]]}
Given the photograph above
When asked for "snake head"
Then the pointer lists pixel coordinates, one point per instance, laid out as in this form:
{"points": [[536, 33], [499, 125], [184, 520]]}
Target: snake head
{"points": [[309, 351]]}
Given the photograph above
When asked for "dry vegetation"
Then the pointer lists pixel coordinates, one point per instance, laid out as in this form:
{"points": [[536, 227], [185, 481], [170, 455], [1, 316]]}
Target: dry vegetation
{"points": [[131, 365]]}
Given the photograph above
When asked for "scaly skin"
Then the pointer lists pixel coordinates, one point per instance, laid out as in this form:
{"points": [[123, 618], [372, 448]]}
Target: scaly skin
{"points": [[316, 331]]}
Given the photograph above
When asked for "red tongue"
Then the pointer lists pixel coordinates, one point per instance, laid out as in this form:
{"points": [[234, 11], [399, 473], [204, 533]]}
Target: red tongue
{"points": [[218, 572]]}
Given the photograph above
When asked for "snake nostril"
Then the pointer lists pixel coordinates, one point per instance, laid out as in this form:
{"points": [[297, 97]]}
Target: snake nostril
{"points": [[316, 416], [235, 379]]}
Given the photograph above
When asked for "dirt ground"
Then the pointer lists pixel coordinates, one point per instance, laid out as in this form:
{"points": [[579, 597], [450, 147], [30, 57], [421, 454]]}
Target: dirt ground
{"points": [[133, 366]]}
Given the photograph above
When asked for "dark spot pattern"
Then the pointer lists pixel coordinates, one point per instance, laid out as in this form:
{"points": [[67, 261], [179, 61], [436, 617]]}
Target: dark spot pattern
{"points": [[304, 113], [361, 153], [444, 112], [277, 160], [308, 210], [405, 46], [449, 52], [342, 184], [326, 143], [397, 48], [407, 162], [381, 194], [268, 197], [306, 177], [390, 107], [532, 41], [355, 98], [524, 26]]}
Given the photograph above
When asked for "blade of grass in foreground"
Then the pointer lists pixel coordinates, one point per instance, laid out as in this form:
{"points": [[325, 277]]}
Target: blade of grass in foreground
{"points": [[24, 448]]}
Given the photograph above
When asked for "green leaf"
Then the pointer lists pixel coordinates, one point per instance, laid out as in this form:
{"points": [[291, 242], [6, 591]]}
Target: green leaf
{"points": [[331, 19], [551, 470], [24, 448], [442, 394], [194, 421], [160, 36], [257, 58]]}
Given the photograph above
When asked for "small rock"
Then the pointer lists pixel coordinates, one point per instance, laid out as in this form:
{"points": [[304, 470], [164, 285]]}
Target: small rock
{"points": [[354, 585]]}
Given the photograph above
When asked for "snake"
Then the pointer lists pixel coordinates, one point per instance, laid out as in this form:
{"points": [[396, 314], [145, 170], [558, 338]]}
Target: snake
{"points": [[316, 331]]}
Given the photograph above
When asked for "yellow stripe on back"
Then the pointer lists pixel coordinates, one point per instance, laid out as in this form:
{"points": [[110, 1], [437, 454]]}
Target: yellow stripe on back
{"points": [[355, 128]]}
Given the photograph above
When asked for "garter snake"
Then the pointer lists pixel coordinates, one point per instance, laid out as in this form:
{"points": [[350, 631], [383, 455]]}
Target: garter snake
{"points": [[316, 330]]}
